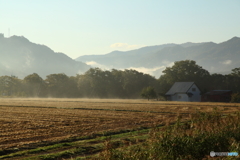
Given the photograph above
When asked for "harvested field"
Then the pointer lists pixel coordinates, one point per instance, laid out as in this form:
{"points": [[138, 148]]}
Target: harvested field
{"points": [[117, 104], [30, 121], [22, 125]]}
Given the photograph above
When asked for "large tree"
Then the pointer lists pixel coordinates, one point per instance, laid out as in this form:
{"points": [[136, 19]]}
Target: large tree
{"points": [[58, 85], [236, 72], [234, 80], [10, 86], [134, 82], [34, 85], [96, 83], [183, 71]]}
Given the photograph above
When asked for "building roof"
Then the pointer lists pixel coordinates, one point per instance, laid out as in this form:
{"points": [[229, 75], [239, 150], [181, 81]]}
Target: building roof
{"points": [[179, 87], [218, 92]]}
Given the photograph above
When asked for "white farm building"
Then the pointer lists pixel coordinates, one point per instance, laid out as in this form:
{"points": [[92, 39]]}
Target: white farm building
{"points": [[184, 91]]}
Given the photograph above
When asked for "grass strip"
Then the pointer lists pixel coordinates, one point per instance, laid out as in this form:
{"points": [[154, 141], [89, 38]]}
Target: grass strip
{"points": [[68, 153], [77, 142]]}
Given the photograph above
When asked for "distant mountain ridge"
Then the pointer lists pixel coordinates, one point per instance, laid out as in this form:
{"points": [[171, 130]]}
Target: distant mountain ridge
{"points": [[20, 57], [216, 58]]}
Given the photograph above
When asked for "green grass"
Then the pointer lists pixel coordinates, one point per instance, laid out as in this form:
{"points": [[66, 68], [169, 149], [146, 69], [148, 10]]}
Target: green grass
{"points": [[67, 153], [75, 146], [34, 151]]}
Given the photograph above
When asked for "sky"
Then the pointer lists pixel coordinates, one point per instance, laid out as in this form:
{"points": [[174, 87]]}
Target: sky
{"points": [[86, 27]]}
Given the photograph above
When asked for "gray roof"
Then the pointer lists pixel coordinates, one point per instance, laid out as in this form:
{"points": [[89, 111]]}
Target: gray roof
{"points": [[179, 87]]}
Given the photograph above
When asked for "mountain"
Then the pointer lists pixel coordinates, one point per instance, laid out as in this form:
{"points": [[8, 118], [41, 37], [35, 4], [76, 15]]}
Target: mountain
{"points": [[121, 59], [216, 58], [20, 57]]}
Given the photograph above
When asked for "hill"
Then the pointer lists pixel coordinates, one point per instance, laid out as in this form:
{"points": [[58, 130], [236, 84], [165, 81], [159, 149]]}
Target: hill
{"points": [[216, 58], [20, 57]]}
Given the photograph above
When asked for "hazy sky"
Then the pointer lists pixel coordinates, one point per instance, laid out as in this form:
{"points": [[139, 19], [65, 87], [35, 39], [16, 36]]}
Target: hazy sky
{"points": [[81, 27]]}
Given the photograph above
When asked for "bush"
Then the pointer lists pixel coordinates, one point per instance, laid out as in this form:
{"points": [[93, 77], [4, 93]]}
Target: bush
{"points": [[235, 98], [148, 93], [194, 139]]}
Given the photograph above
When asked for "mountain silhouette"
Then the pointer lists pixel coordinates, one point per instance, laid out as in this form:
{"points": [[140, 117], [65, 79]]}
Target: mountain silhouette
{"points": [[20, 57], [216, 58]]}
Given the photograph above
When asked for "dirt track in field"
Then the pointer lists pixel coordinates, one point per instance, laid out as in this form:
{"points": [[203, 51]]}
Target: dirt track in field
{"points": [[26, 121]]}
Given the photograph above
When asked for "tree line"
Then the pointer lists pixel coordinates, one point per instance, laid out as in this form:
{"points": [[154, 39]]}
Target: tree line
{"points": [[98, 83]]}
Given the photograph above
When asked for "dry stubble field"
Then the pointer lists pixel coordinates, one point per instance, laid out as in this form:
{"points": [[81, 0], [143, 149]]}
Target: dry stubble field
{"points": [[29, 121]]}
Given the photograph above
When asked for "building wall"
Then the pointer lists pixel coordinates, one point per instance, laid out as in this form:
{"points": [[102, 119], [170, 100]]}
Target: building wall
{"points": [[196, 97], [225, 97], [180, 97], [192, 95], [174, 97]]}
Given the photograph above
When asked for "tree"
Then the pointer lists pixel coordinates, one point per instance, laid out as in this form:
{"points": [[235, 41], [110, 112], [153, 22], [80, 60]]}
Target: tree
{"points": [[219, 81], [10, 86], [115, 83], [185, 71], [236, 72], [118, 82], [148, 93], [181, 71], [34, 84], [96, 83], [234, 79], [133, 81], [58, 85], [72, 87]]}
